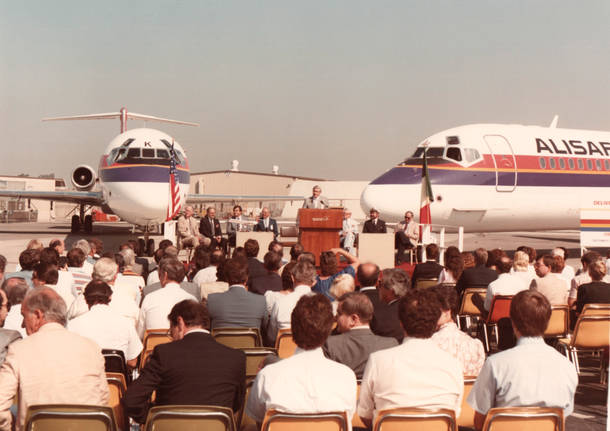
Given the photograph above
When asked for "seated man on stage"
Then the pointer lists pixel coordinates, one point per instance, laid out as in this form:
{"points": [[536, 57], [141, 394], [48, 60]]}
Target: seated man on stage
{"points": [[374, 224], [188, 227], [316, 200], [266, 223], [210, 228], [236, 224], [406, 236], [348, 233]]}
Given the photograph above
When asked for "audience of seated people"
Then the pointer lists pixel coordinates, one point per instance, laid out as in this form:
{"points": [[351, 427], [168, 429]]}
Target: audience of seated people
{"points": [[114, 310]]}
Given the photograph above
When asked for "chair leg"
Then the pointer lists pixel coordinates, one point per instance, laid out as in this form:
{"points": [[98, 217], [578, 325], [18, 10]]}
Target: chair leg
{"points": [[574, 359], [486, 338]]}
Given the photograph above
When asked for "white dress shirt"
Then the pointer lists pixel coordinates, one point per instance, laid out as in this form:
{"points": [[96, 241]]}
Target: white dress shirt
{"points": [[120, 303], [64, 291], [505, 284], [306, 382], [157, 305], [109, 330], [153, 277], [130, 285], [205, 275], [282, 309], [14, 320], [415, 374]]}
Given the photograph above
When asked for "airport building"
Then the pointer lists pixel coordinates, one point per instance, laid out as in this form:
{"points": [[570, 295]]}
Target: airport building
{"points": [[14, 209]]}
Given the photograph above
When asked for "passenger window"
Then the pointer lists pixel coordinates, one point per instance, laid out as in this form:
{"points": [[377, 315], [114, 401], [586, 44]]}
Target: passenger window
{"points": [[589, 165], [552, 163], [562, 164], [607, 164], [571, 163], [542, 162], [598, 163], [148, 153], [581, 165], [162, 154], [454, 154], [133, 153]]}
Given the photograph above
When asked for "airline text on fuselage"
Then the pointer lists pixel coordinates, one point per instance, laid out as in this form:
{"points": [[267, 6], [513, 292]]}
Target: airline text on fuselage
{"points": [[573, 146]]}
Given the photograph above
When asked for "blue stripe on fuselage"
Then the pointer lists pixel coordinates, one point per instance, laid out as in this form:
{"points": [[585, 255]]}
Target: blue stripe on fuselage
{"points": [[408, 175], [144, 174]]}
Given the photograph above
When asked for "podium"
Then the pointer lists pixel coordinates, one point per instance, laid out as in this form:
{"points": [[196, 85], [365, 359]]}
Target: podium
{"points": [[319, 229]]}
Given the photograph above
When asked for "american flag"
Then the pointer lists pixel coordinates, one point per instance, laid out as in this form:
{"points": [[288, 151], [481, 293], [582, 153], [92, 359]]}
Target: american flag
{"points": [[173, 204]]}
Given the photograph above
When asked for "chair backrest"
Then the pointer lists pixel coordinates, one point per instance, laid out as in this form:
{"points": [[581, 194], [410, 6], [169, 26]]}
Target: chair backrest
{"points": [[117, 387], [595, 310], [524, 419], [190, 418], [467, 307], [356, 421], [558, 323], [60, 417], [254, 357], [500, 307], [152, 338], [238, 338], [591, 332], [284, 344], [280, 421], [402, 418], [115, 362], [424, 283], [466, 418]]}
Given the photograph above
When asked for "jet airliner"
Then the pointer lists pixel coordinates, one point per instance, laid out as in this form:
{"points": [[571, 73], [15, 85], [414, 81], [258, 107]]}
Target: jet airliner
{"points": [[497, 177]]}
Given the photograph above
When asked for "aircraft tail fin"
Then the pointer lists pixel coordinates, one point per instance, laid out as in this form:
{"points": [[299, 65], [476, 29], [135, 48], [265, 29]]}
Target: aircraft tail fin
{"points": [[554, 122]]}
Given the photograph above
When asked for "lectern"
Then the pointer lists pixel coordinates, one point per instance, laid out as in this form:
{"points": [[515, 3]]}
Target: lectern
{"points": [[319, 229]]}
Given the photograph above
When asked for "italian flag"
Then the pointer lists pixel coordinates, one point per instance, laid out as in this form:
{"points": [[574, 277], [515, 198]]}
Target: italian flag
{"points": [[425, 218]]}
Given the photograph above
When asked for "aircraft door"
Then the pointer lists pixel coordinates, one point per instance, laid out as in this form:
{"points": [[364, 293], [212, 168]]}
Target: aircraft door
{"points": [[504, 162]]}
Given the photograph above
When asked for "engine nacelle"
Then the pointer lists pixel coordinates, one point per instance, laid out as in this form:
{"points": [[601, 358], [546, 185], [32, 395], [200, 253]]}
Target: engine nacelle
{"points": [[83, 177]]}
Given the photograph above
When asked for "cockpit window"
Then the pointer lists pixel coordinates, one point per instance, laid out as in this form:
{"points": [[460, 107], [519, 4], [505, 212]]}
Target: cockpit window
{"points": [[162, 154], [454, 153], [148, 153], [419, 153], [133, 153], [435, 152]]}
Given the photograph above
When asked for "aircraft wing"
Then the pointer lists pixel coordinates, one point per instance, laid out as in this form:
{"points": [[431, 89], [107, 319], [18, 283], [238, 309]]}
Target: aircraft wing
{"points": [[198, 198], [76, 197]]}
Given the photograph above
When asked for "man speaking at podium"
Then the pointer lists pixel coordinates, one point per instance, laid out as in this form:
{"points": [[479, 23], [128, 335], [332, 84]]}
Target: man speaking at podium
{"points": [[316, 201]]}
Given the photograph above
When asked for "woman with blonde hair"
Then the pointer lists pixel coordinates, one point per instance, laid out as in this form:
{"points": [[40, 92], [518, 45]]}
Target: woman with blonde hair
{"points": [[521, 264], [342, 284]]}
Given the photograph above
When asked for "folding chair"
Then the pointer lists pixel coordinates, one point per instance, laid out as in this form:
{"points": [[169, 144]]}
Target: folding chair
{"points": [[115, 363], [590, 334], [190, 418], [467, 309], [466, 418], [500, 308], [59, 417], [280, 421], [284, 344], [558, 323], [117, 387], [595, 310], [152, 338], [424, 283], [356, 421], [238, 338], [524, 419], [403, 418], [254, 357]]}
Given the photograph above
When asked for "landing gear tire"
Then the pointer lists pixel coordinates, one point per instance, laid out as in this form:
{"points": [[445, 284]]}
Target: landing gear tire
{"points": [[75, 224], [88, 225], [150, 247]]}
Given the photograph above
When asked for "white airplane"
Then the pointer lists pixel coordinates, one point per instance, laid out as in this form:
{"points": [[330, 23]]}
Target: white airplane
{"points": [[496, 177], [133, 178]]}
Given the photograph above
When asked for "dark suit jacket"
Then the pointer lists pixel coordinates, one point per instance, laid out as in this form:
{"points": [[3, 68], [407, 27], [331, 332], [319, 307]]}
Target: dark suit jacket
{"points": [[353, 348], [385, 317], [260, 227], [369, 227], [205, 228], [188, 287], [237, 308], [428, 269], [479, 276], [263, 283], [255, 268], [596, 292], [194, 370]]}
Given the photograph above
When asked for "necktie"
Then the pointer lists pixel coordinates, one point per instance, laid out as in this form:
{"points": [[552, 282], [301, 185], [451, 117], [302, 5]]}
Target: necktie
{"points": [[213, 230]]}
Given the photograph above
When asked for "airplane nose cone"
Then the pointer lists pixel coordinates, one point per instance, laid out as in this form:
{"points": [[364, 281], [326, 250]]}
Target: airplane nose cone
{"points": [[372, 197]]}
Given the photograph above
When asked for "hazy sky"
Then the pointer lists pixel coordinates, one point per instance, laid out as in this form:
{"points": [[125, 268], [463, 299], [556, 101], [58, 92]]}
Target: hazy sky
{"points": [[332, 89]]}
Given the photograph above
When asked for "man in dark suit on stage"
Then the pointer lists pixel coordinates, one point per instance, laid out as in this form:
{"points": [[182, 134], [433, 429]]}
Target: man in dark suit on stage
{"points": [[193, 369], [374, 224], [266, 223], [209, 227], [479, 276], [356, 342], [430, 268]]}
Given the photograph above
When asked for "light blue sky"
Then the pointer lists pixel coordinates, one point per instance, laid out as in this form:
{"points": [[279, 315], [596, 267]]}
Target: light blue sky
{"points": [[333, 89]]}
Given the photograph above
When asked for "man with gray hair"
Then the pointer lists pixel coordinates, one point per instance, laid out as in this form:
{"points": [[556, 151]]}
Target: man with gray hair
{"points": [[129, 281], [83, 245], [188, 230], [392, 286], [304, 275], [52, 365]]}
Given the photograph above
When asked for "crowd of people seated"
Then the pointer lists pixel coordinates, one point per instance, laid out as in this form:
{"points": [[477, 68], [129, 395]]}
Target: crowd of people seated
{"points": [[351, 322]]}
